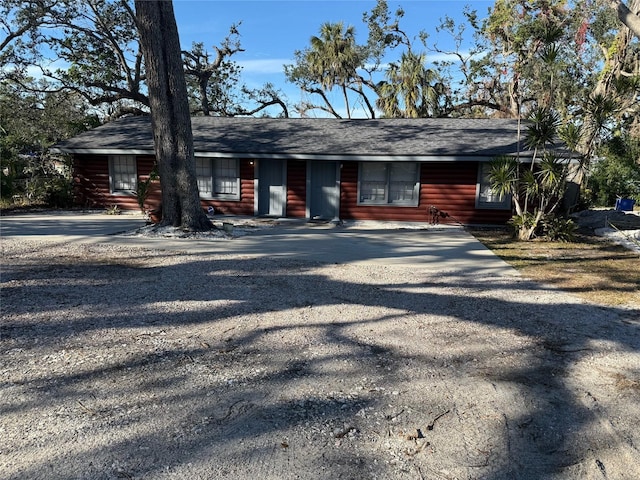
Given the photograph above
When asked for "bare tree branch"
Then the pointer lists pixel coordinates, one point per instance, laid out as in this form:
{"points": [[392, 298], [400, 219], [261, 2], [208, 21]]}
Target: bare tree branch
{"points": [[629, 18]]}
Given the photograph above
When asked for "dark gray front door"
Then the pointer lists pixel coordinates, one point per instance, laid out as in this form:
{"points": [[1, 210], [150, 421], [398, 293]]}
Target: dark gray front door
{"points": [[323, 190], [272, 189]]}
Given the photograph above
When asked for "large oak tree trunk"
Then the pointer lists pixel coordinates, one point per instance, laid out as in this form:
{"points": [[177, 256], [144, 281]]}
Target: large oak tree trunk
{"points": [[170, 115]]}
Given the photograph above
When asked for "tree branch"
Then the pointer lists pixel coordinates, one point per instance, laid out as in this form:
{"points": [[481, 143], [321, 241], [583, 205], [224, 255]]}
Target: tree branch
{"points": [[328, 108], [630, 19]]}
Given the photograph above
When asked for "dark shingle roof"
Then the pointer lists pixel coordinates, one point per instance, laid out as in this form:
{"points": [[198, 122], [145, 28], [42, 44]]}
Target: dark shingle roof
{"points": [[313, 138]]}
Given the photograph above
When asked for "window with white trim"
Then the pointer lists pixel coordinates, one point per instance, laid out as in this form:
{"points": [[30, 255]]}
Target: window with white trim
{"points": [[486, 196], [218, 178], [123, 175], [386, 183]]}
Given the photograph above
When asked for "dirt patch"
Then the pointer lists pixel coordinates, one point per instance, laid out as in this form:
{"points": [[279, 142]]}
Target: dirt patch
{"points": [[591, 220], [592, 267], [601, 265], [133, 363]]}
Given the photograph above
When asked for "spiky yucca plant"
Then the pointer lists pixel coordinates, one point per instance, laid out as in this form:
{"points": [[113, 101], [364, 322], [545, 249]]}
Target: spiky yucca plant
{"points": [[537, 188]]}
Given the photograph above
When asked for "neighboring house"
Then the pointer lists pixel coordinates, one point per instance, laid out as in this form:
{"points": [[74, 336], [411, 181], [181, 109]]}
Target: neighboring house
{"points": [[387, 169]]}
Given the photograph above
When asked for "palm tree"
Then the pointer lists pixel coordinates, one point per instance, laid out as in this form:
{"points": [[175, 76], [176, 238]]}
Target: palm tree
{"points": [[409, 90], [334, 57]]}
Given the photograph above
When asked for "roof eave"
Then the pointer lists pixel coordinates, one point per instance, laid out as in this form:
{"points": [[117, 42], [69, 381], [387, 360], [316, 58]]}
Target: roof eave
{"points": [[289, 156], [101, 151]]}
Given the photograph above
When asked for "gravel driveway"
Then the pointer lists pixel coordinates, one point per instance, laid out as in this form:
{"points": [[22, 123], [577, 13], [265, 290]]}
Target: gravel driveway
{"points": [[130, 362]]}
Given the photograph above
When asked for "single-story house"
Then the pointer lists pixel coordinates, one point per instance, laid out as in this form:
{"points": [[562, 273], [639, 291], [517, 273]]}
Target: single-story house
{"points": [[386, 169]]}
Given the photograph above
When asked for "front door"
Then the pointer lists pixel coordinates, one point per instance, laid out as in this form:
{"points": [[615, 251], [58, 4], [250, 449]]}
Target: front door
{"points": [[323, 191], [272, 189]]}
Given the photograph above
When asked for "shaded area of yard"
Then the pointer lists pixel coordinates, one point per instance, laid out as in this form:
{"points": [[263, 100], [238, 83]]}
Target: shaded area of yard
{"points": [[124, 363], [595, 269]]}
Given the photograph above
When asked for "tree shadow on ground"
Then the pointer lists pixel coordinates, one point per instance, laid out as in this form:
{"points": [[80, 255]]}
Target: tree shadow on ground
{"points": [[223, 375]]}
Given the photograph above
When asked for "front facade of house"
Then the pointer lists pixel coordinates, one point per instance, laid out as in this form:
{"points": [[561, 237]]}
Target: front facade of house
{"points": [[310, 168]]}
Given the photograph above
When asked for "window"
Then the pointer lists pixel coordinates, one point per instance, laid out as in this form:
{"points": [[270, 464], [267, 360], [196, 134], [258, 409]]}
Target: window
{"points": [[122, 173], [203, 176], [487, 197], [388, 183], [218, 178]]}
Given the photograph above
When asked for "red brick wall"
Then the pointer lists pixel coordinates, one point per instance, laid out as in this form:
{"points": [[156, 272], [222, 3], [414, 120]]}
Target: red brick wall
{"points": [[449, 186], [91, 184], [92, 189], [244, 206]]}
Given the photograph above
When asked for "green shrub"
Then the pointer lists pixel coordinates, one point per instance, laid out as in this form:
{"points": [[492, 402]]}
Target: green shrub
{"points": [[36, 180], [7, 189], [59, 193], [525, 226], [558, 229], [144, 187], [617, 174]]}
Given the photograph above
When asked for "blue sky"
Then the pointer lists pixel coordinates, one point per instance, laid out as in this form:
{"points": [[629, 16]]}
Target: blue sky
{"points": [[272, 30]]}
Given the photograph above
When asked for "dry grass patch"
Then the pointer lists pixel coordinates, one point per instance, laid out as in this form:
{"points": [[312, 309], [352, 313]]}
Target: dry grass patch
{"points": [[595, 269], [625, 383]]}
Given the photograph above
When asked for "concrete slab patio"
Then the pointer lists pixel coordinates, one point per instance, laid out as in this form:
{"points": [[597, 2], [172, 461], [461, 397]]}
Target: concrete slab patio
{"points": [[67, 224], [436, 248]]}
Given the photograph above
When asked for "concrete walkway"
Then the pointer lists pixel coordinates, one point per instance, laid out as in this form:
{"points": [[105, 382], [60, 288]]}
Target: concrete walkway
{"points": [[67, 224], [435, 248]]}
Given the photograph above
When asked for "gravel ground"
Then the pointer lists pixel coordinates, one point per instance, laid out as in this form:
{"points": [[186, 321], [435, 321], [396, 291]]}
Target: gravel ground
{"points": [[141, 364]]}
